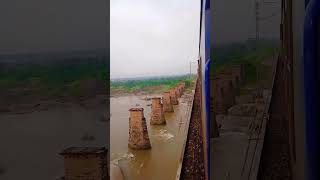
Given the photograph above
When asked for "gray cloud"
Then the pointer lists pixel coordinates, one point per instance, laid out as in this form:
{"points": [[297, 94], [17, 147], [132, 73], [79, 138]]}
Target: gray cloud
{"points": [[152, 37], [36, 25]]}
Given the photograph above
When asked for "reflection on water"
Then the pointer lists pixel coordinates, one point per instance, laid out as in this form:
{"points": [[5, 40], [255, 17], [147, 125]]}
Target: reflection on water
{"points": [[162, 160]]}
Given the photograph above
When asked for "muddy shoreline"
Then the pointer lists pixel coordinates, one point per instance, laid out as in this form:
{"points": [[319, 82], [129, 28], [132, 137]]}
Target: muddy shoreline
{"points": [[29, 105]]}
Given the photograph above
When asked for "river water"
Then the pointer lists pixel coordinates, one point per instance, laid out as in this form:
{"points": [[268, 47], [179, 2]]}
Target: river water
{"points": [[31, 143], [163, 159]]}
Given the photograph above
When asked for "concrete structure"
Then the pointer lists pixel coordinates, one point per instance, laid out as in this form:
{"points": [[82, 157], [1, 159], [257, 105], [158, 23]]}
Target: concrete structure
{"points": [[166, 101], [223, 95], [182, 85], [225, 86], [157, 114], [178, 91], [234, 73], [85, 163], [174, 97], [138, 132]]}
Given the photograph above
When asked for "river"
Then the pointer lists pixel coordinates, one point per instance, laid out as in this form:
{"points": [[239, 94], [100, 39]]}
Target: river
{"points": [[167, 141], [31, 143]]}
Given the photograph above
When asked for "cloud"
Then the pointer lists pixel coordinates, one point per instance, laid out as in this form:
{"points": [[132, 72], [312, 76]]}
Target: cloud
{"points": [[151, 37], [36, 25]]}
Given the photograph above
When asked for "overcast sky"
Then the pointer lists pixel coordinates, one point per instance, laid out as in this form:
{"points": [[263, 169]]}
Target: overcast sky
{"points": [[153, 37], [148, 37], [52, 25], [234, 20]]}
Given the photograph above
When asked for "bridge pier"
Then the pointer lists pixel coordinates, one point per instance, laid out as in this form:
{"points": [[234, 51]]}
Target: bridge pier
{"points": [[138, 132], [157, 115], [167, 105], [179, 89], [173, 96]]}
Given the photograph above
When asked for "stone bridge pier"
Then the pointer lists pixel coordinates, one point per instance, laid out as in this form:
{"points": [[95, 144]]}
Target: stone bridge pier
{"points": [[138, 132], [179, 89], [174, 97], [167, 105], [157, 114]]}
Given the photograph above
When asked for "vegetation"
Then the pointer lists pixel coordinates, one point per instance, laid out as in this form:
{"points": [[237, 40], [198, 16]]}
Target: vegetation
{"points": [[57, 79], [154, 85], [251, 56]]}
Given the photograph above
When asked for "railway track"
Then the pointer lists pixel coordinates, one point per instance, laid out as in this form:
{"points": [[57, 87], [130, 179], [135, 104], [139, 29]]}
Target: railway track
{"points": [[193, 162]]}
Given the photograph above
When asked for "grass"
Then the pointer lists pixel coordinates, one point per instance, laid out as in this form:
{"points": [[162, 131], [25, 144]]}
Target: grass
{"points": [[150, 85]]}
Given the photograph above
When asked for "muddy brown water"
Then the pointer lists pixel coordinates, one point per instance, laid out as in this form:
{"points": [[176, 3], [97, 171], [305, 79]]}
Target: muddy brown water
{"points": [[162, 160], [30, 143]]}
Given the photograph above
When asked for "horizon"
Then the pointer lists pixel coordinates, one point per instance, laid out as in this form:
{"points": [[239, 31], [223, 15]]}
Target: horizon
{"points": [[141, 77]]}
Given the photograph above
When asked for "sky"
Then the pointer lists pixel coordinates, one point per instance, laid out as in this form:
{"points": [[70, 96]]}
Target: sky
{"points": [[234, 20], [153, 37], [148, 37], [52, 25]]}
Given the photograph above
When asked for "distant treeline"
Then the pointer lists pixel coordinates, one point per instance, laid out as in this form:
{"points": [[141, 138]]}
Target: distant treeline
{"points": [[250, 54], [165, 83], [56, 77], [226, 52]]}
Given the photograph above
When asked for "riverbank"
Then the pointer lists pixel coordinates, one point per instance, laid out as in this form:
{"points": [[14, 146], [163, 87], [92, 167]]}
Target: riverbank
{"points": [[27, 105], [157, 85]]}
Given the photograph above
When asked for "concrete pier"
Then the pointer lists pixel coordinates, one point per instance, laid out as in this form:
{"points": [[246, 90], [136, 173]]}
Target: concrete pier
{"points": [[157, 114], [179, 90], [138, 132], [173, 96], [85, 163], [223, 94], [183, 86], [167, 105]]}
